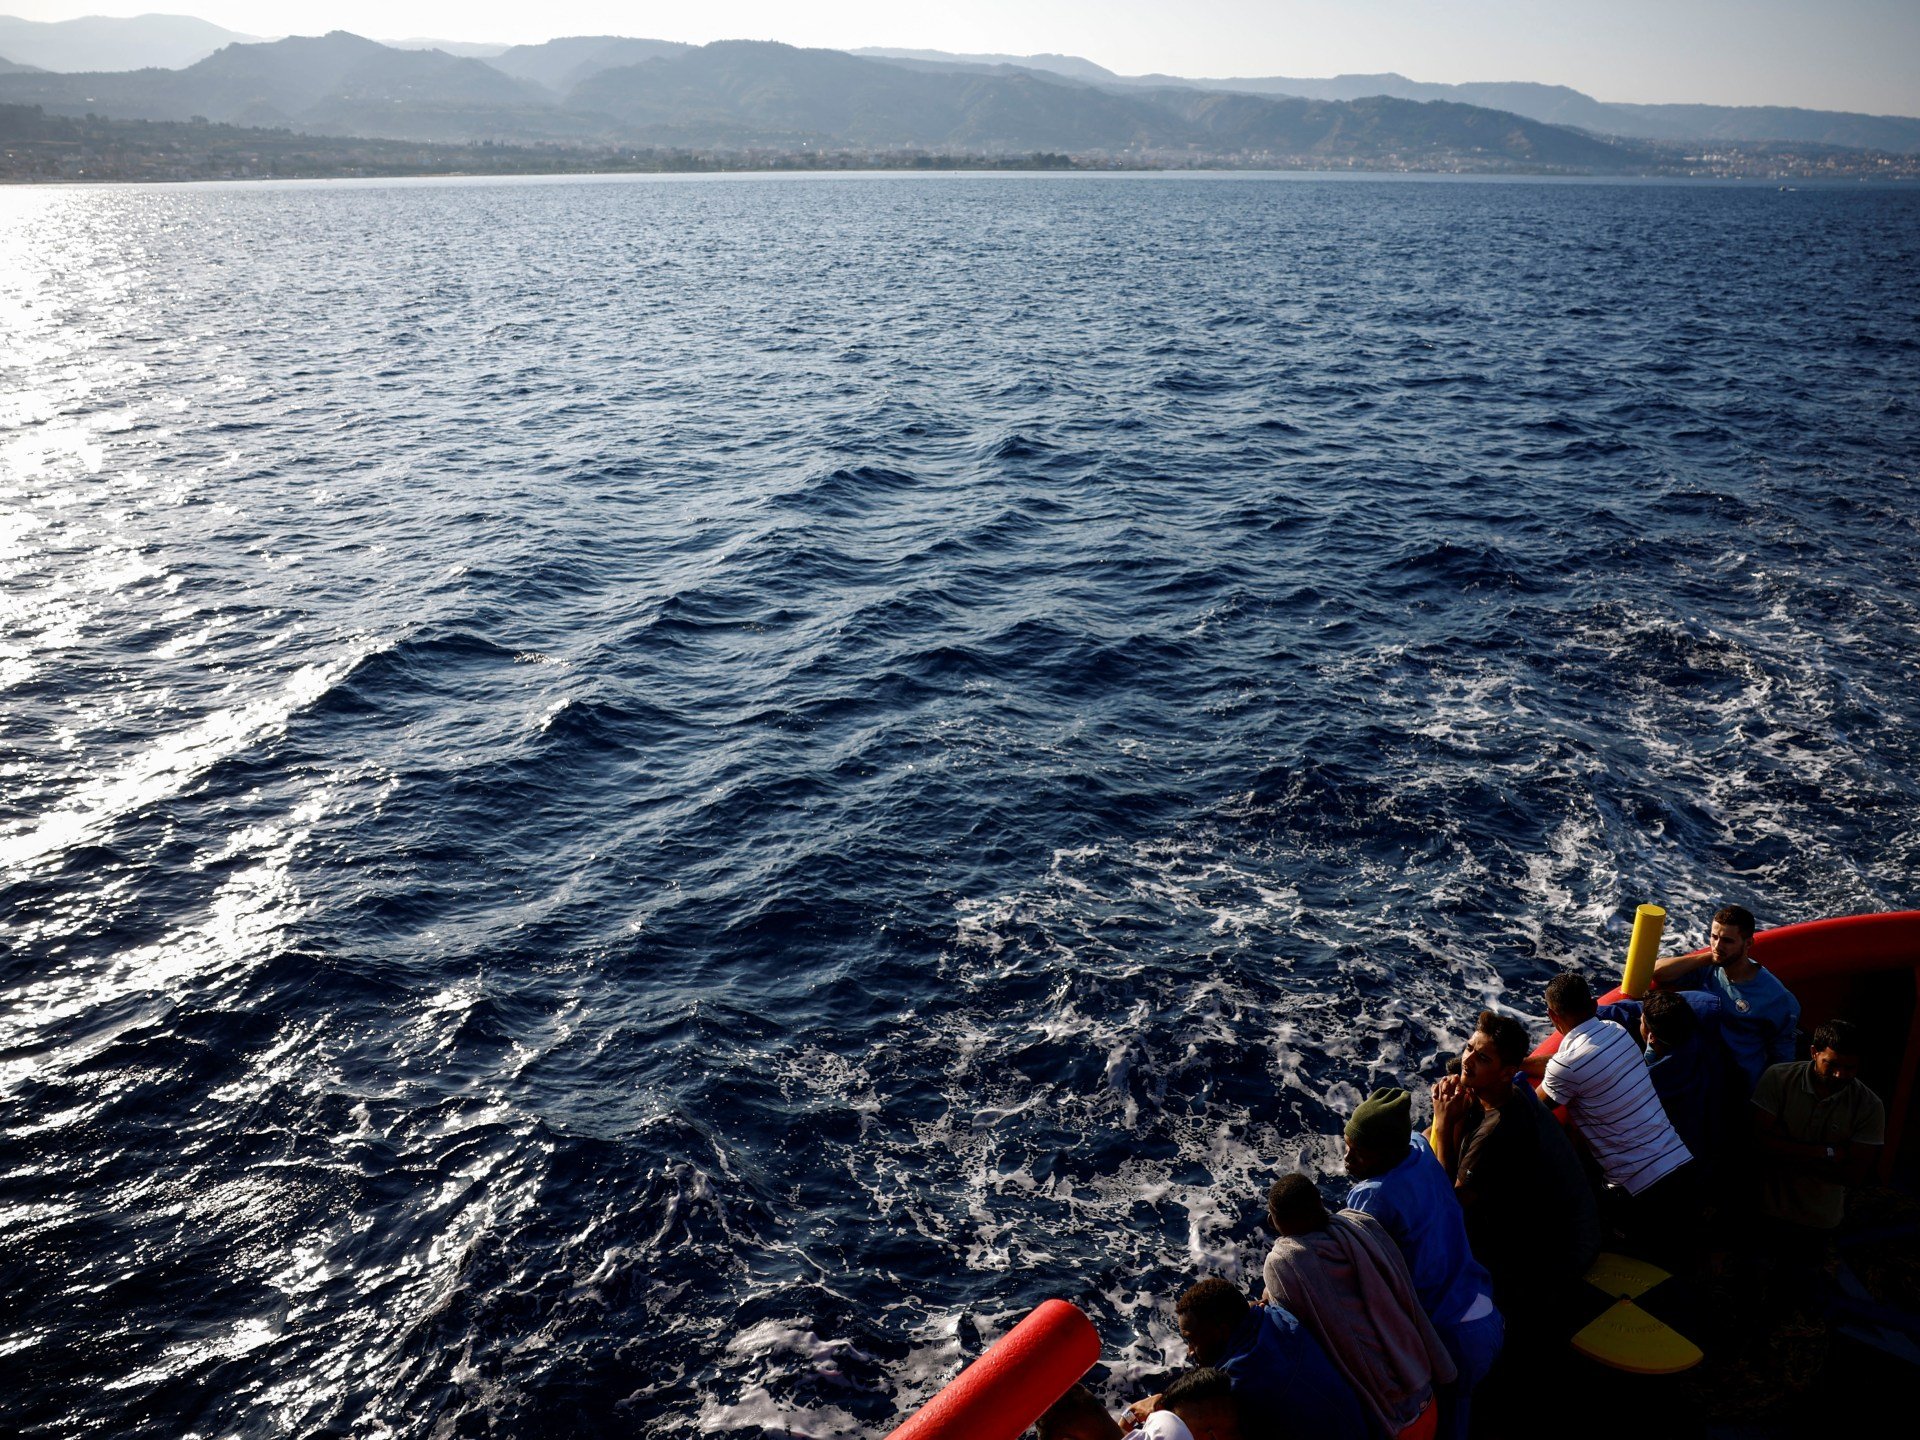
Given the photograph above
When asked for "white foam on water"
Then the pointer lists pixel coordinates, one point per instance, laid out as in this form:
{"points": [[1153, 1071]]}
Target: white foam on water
{"points": [[935, 1359], [168, 766], [756, 1409], [1782, 721], [770, 1339], [847, 1081], [1189, 1181]]}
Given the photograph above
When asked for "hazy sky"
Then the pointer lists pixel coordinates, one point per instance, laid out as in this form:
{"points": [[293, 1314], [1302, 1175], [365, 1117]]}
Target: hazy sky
{"points": [[1829, 54]]}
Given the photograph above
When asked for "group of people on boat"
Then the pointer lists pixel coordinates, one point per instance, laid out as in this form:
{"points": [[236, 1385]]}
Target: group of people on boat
{"points": [[1465, 1248]]}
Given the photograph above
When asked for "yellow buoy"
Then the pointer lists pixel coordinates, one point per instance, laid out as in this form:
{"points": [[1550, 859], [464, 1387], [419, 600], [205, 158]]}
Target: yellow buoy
{"points": [[1649, 924]]}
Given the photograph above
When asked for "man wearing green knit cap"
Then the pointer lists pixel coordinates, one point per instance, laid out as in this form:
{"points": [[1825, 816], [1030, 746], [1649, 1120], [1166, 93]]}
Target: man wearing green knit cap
{"points": [[1403, 1186], [1384, 1120]]}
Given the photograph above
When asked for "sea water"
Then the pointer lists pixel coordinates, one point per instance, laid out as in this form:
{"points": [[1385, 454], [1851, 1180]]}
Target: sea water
{"points": [[653, 806]]}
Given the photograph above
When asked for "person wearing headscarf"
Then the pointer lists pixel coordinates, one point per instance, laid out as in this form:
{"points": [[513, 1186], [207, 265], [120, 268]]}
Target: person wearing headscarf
{"points": [[1344, 1277]]}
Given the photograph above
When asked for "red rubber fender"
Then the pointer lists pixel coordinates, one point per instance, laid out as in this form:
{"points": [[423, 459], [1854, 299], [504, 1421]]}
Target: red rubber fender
{"points": [[1847, 944], [1012, 1384]]}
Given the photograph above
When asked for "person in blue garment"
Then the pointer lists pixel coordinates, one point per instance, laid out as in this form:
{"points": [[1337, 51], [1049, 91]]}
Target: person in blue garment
{"points": [[1760, 1018], [1680, 1037], [1405, 1188], [1283, 1383], [1347, 1281]]}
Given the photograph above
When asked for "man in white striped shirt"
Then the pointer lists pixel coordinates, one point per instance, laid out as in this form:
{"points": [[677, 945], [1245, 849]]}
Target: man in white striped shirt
{"points": [[1600, 1076]]}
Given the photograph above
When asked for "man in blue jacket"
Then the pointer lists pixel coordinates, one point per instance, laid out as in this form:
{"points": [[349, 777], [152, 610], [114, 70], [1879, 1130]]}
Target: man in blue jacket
{"points": [[1405, 1188], [1680, 1033], [1283, 1383]]}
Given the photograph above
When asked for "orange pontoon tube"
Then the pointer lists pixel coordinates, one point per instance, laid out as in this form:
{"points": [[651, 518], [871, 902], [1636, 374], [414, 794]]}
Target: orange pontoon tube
{"points": [[1012, 1384]]}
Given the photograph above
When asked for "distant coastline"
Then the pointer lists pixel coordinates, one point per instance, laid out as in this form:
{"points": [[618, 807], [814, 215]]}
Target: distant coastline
{"points": [[341, 105], [37, 148]]}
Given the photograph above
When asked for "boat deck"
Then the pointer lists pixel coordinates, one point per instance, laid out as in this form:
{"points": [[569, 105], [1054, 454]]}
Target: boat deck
{"points": [[1782, 1359]]}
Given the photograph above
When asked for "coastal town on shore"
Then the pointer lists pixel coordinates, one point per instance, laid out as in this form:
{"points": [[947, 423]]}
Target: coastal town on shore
{"points": [[36, 147]]}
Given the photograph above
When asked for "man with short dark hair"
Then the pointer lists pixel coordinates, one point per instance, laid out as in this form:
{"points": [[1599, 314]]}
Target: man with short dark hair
{"points": [[1282, 1379], [1820, 1130], [1599, 1076], [1761, 1015], [1206, 1402], [1680, 1038], [1077, 1415], [1347, 1281], [1680, 1030], [1530, 1213], [1403, 1186]]}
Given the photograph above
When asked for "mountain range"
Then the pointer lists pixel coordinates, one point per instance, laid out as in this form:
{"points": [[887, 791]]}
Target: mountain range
{"points": [[745, 95], [1550, 104], [99, 42], [759, 94]]}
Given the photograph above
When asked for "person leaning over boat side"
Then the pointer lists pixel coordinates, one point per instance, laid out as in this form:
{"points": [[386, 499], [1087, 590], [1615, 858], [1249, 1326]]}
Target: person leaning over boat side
{"points": [[1680, 1035], [1199, 1406], [1205, 1403], [1406, 1189], [1761, 1015], [1599, 1076], [1531, 1215], [1820, 1129], [1282, 1379], [1347, 1281], [1077, 1415]]}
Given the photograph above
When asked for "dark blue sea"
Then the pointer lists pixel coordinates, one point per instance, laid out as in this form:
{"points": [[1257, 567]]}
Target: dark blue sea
{"points": [[652, 806]]}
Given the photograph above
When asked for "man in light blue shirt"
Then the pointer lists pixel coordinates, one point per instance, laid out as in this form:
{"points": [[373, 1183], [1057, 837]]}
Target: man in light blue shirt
{"points": [[1760, 1018], [1404, 1187]]}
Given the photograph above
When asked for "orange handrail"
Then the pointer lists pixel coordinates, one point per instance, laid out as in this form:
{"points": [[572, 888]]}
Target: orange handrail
{"points": [[1011, 1385]]}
